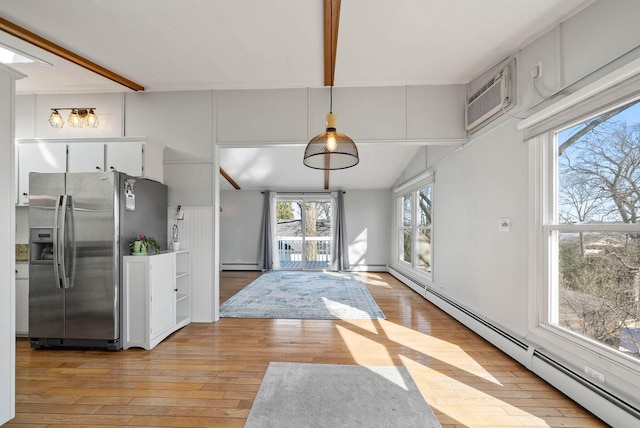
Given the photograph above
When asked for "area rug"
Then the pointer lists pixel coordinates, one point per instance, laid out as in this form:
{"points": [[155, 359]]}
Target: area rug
{"points": [[320, 395], [303, 295]]}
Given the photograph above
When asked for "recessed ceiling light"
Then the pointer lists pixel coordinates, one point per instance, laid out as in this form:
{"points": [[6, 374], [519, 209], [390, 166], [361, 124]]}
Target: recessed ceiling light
{"points": [[12, 56]]}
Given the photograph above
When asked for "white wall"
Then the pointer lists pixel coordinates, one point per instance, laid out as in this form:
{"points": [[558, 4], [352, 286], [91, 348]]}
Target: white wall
{"points": [[7, 253], [240, 220], [474, 262], [368, 214]]}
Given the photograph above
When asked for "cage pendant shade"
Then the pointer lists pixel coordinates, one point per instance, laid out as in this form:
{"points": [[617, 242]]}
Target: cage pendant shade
{"points": [[331, 149]]}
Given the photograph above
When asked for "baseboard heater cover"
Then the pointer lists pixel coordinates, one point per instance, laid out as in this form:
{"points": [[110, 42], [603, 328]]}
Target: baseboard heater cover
{"points": [[239, 266], [510, 337], [618, 413], [509, 343], [369, 268], [410, 282]]}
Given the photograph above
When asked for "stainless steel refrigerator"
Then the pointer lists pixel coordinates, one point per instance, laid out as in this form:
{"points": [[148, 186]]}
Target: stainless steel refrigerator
{"points": [[80, 225]]}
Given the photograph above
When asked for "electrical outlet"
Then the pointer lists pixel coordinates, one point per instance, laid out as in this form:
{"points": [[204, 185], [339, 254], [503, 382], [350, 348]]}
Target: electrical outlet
{"points": [[594, 374]]}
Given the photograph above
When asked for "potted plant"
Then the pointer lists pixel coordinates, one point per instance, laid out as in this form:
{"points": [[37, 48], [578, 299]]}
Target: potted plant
{"points": [[141, 244]]}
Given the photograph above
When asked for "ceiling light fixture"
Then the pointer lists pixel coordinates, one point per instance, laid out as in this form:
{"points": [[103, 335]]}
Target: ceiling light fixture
{"points": [[331, 149], [78, 118]]}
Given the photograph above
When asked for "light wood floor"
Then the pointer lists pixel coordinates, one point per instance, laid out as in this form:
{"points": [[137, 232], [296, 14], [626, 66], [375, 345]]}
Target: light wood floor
{"points": [[207, 375]]}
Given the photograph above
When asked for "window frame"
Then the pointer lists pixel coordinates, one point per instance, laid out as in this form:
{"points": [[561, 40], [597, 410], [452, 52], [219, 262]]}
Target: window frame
{"points": [[412, 188], [545, 230]]}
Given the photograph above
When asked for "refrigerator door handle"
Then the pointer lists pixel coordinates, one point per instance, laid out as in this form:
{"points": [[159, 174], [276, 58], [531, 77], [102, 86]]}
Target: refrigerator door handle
{"points": [[56, 241], [62, 239], [72, 241]]}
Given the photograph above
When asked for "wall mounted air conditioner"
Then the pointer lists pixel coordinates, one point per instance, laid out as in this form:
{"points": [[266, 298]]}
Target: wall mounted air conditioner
{"points": [[492, 98]]}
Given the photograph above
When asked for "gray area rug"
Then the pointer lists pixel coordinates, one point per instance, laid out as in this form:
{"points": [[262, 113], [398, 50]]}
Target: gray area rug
{"points": [[303, 295], [294, 395]]}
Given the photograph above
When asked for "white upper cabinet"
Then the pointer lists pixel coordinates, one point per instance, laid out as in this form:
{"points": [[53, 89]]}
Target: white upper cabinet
{"points": [[125, 158], [38, 157], [85, 157], [134, 157]]}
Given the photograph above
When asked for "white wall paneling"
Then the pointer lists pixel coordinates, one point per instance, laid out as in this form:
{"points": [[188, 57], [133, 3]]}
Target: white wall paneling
{"points": [[271, 115], [196, 234], [362, 113], [25, 119], [7, 250], [587, 44], [181, 121], [436, 112], [190, 183]]}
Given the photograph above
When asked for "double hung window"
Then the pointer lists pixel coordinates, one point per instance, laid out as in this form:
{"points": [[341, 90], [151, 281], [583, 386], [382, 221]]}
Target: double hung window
{"points": [[591, 230], [415, 227]]}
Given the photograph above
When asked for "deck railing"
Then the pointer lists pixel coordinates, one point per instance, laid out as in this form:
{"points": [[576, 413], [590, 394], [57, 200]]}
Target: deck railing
{"points": [[318, 248]]}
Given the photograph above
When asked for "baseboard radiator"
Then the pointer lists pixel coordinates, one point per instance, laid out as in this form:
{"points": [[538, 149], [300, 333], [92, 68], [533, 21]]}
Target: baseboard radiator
{"points": [[609, 407], [412, 283], [239, 266], [506, 341]]}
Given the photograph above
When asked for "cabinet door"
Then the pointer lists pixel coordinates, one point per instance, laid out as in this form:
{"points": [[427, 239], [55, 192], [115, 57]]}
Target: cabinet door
{"points": [[38, 157], [22, 299], [124, 157], [85, 157], [162, 283]]}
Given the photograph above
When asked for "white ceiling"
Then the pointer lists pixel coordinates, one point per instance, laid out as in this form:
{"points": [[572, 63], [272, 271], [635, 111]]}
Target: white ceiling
{"points": [[215, 44]]}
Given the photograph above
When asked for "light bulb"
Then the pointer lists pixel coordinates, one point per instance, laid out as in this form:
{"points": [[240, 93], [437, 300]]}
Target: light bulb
{"points": [[91, 120], [331, 142], [55, 120], [75, 121]]}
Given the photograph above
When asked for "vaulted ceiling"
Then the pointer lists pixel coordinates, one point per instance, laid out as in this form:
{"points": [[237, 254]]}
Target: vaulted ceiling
{"points": [[166, 45]]}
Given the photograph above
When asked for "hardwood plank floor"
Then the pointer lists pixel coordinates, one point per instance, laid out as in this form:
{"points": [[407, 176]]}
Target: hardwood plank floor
{"points": [[207, 375]]}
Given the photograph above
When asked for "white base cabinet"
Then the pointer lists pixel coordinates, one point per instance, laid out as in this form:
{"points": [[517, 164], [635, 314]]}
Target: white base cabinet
{"points": [[156, 297], [22, 299]]}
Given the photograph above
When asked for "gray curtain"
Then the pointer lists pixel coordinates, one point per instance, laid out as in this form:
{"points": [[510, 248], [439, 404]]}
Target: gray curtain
{"points": [[265, 259], [340, 252]]}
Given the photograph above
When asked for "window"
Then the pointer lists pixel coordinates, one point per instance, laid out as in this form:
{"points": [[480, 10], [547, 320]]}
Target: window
{"points": [[415, 227], [593, 232]]}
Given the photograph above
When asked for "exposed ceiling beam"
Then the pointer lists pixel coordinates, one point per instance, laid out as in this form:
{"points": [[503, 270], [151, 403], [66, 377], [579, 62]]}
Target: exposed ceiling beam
{"points": [[229, 179], [331, 23], [42, 43]]}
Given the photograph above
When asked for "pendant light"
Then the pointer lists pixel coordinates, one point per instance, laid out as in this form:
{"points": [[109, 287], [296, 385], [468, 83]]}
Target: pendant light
{"points": [[331, 149]]}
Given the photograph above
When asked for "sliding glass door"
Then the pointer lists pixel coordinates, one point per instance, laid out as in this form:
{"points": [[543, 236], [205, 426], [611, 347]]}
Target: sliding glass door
{"points": [[304, 236]]}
